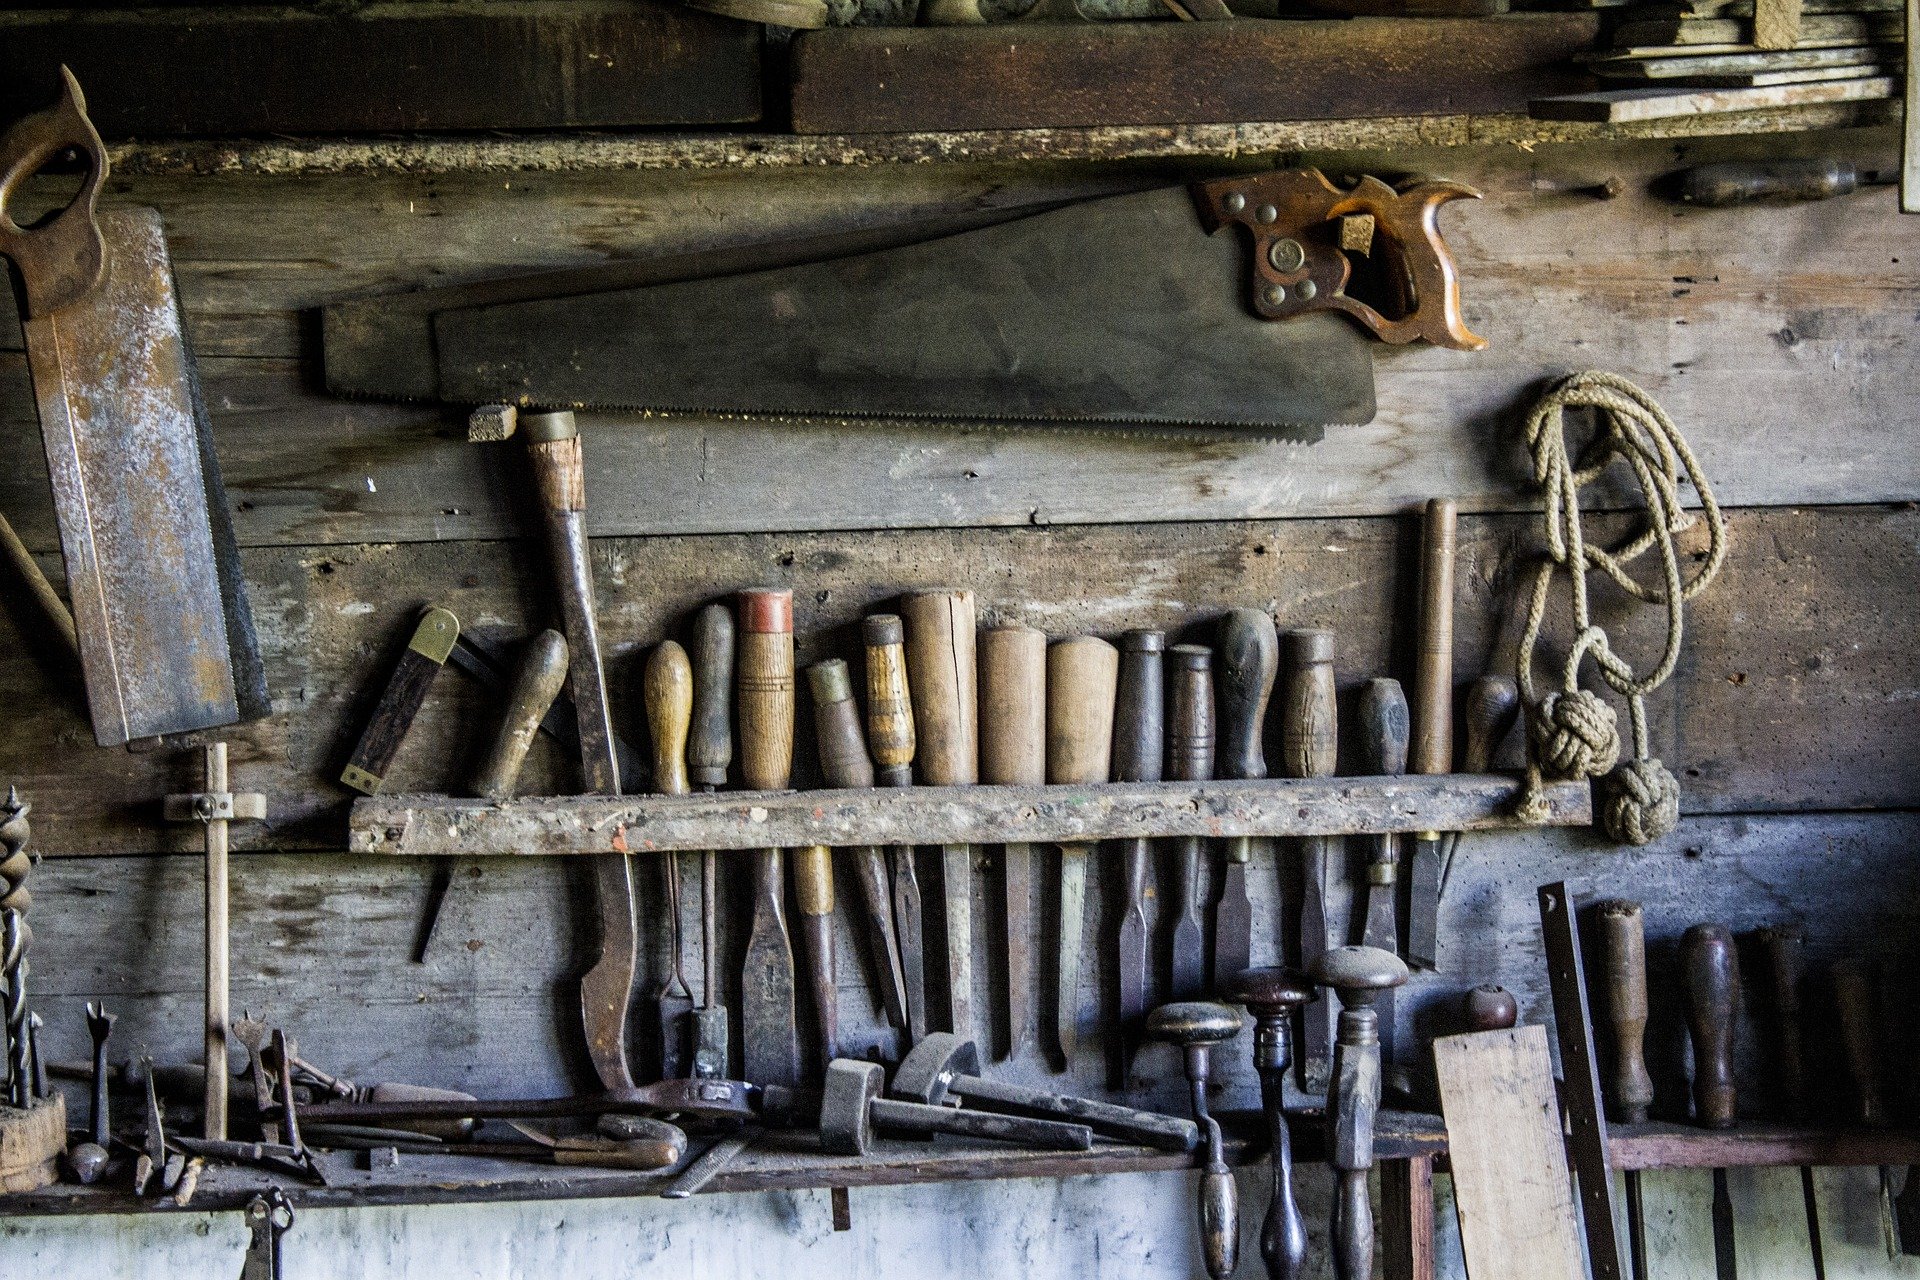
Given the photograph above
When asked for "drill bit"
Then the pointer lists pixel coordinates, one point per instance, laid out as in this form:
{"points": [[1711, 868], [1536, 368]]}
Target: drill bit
{"points": [[15, 940]]}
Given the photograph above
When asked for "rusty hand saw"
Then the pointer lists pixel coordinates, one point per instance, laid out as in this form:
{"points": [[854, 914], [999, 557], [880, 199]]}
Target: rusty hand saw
{"points": [[166, 641], [1129, 311]]}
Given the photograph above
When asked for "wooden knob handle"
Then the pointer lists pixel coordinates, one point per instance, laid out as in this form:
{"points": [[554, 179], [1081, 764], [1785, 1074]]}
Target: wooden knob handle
{"points": [[1711, 978], [1859, 1038], [536, 683], [1492, 704], [1309, 722], [764, 676], [1190, 737], [1139, 715], [1433, 654], [1013, 706], [1249, 662], [1783, 950], [813, 880], [1383, 728], [889, 710], [942, 676], [668, 693], [710, 743], [1083, 676], [1491, 1008], [1622, 941], [836, 724]]}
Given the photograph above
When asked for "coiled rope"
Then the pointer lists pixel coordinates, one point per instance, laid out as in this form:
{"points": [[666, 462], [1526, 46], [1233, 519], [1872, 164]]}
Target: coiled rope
{"points": [[1573, 732]]}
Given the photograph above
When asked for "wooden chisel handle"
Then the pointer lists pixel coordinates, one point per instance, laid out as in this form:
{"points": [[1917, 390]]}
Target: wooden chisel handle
{"points": [[1711, 978], [710, 740], [1859, 1038], [890, 733], [1432, 750], [1492, 703], [764, 679], [813, 893], [1384, 723], [1622, 943], [1013, 752], [536, 683], [667, 691], [1309, 723], [1083, 675], [1248, 661], [1783, 948], [942, 676]]}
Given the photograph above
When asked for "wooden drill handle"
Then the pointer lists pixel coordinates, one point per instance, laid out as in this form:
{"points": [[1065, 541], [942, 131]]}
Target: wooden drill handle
{"points": [[1383, 728], [943, 679], [1492, 703], [536, 683], [1783, 948], [836, 724], [1309, 723], [1083, 676], [1622, 941], [1190, 729], [764, 675], [1433, 655], [1711, 977], [889, 710], [710, 743], [1139, 714], [1859, 1038], [668, 694], [1248, 662], [1013, 706]]}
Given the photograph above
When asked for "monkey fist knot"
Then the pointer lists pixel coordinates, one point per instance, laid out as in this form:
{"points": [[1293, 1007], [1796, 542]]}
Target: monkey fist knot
{"points": [[1640, 803], [1576, 735]]}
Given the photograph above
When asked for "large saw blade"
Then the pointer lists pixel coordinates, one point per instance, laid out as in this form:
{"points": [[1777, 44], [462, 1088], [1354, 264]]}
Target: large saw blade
{"points": [[1121, 311]]}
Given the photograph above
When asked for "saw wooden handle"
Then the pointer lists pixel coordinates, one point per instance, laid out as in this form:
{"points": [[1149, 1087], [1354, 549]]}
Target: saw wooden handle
{"points": [[1013, 706], [62, 258], [764, 676], [943, 680]]}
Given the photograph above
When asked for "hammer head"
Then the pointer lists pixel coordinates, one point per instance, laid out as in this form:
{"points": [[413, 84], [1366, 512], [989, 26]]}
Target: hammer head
{"points": [[850, 1090], [928, 1072]]}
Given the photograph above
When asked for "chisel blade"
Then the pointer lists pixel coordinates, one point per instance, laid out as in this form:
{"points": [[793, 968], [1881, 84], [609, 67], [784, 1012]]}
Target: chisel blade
{"points": [[1133, 944], [1018, 868], [1232, 920], [1188, 969], [909, 925], [770, 1045], [1073, 915], [956, 875], [1725, 1262], [1423, 901]]}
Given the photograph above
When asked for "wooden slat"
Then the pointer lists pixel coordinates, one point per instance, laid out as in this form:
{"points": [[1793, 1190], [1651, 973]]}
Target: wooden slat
{"points": [[915, 79], [1674, 1146], [1652, 104]]}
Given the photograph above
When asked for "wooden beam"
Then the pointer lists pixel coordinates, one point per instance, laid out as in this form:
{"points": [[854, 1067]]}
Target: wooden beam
{"points": [[436, 826], [1674, 1146]]}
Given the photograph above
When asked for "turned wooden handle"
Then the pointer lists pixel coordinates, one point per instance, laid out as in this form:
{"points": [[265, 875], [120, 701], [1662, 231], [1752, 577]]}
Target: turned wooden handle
{"points": [[1491, 1008], [889, 709], [764, 676], [1711, 978], [710, 742], [1013, 706], [536, 683], [943, 679], [1248, 663], [1433, 654], [1492, 703], [1190, 736], [668, 693], [1622, 942], [836, 724], [559, 474], [1383, 728], [1783, 947], [1139, 714], [1309, 722], [813, 879], [1860, 1038], [1083, 676]]}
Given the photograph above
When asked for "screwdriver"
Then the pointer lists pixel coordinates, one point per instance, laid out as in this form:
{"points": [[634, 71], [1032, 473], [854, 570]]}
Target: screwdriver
{"points": [[890, 740], [764, 676], [1712, 983], [1732, 183], [1139, 750], [1622, 942], [1309, 748], [1783, 947], [1082, 678], [667, 692], [709, 754], [1247, 659], [1189, 759], [1013, 752]]}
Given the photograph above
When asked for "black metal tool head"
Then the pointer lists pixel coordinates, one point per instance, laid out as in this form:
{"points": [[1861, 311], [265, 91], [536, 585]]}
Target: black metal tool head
{"points": [[845, 1105], [927, 1073]]}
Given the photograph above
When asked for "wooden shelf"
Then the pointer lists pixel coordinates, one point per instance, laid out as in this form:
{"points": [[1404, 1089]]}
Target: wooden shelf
{"points": [[439, 826], [1674, 1146]]}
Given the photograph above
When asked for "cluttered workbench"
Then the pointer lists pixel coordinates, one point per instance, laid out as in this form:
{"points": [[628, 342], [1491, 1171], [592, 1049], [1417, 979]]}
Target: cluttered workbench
{"points": [[758, 611]]}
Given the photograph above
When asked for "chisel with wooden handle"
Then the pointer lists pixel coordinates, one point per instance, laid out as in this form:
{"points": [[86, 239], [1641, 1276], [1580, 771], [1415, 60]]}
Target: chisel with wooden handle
{"points": [[668, 695], [559, 481], [1083, 674], [401, 700], [1013, 752], [1139, 749], [1431, 751], [1620, 929], [1246, 663], [890, 741], [1309, 748], [1190, 744], [709, 754], [763, 675], [1710, 976], [943, 678], [1383, 754], [1854, 1006], [1783, 955]]}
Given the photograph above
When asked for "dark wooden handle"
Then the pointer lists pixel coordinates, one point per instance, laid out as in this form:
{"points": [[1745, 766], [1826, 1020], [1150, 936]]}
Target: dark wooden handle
{"points": [[1492, 704], [1622, 942], [1309, 722], [764, 674], [943, 679], [1013, 706], [1249, 662], [1783, 948], [1383, 728], [836, 724], [1711, 979], [400, 702], [1859, 1038], [1139, 714], [710, 743], [1432, 750], [668, 694], [1491, 1008], [536, 683], [1083, 676], [1190, 732], [889, 709]]}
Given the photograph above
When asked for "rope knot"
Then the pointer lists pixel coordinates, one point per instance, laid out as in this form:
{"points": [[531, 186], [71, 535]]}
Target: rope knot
{"points": [[1640, 802], [1575, 734]]}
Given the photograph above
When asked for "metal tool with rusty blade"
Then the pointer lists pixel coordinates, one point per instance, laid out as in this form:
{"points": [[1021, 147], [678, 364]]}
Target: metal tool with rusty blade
{"points": [[1190, 753], [166, 640], [1013, 752], [1139, 750], [1309, 748], [710, 642], [1083, 674], [1247, 661]]}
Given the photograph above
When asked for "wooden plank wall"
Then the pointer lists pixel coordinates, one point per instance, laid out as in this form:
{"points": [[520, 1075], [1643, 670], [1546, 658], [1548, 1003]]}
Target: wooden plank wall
{"points": [[1781, 339]]}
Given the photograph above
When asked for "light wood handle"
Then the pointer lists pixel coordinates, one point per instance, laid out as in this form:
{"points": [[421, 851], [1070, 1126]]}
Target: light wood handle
{"points": [[668, 694], [559, 475], [536, 683], [813, 879], [764, 675], [1013, 706], [836, 724], [943, 679], [889, 708], [1083, 676], [710, 742], [1309, 719], [1433, 654], [1622, 942]]}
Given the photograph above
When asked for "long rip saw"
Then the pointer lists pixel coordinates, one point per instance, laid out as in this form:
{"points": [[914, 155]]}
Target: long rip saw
{"points": [[166, 641], [1123, 312]]}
